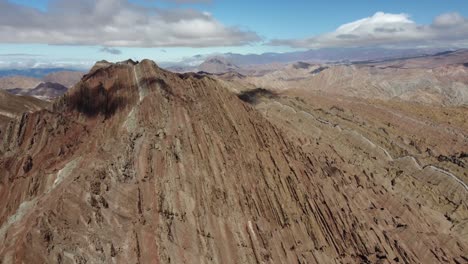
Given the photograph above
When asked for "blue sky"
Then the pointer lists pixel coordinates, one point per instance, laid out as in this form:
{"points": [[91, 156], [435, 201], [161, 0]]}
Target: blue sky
{"points": [[239, 26], [296, 19]]}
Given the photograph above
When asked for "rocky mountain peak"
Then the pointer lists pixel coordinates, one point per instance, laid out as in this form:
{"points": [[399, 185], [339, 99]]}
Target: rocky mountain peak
{"points": [[217, 65], [138, 164]]}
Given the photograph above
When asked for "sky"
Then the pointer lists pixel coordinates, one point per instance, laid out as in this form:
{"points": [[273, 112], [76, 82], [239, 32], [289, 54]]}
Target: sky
{"points": [[76, 33]]}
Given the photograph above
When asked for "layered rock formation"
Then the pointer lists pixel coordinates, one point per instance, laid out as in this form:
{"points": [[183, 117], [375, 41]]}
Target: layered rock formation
{"points": [[139, 165], [12, 106], [437, 80]]}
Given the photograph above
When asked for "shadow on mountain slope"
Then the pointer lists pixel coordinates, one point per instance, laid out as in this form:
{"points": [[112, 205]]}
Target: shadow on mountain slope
{"points": [[93, 101], [253, 96]]}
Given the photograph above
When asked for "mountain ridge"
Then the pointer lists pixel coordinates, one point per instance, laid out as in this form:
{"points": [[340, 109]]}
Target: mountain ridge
{"points": [[187, 172]]}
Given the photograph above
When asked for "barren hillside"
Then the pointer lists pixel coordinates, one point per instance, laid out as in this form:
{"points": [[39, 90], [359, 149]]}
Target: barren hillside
{"points": [[138, 164]]}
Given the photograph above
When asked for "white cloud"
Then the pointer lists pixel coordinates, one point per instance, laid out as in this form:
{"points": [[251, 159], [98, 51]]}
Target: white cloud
{"points": [[391, 30], [448, 20], [116, 23], [33, 63], [112, 51]]}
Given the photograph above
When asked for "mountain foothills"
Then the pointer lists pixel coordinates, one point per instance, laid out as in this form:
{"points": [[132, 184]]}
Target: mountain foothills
{"points": [[47, 87], [440, 79], [12, 107], [136, 164], [323, 55]]}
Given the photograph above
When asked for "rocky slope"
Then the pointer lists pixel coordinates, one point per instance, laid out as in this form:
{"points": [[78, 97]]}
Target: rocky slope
{"points": [[218, 65], [438, 80], [446, 85], [65, 78], [12, 106], [22, 82], [139, 165], [48, 87], [45, 91]]}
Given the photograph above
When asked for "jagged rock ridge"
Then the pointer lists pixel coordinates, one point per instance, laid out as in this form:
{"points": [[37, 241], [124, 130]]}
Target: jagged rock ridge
{"points": [[137, 164]]}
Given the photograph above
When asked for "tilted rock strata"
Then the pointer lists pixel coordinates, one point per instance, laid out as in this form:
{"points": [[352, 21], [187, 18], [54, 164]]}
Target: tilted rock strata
{"points": [[167, 168]]}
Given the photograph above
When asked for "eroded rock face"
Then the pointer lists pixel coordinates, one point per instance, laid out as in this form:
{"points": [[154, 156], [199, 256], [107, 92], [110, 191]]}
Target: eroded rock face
{"points": [[183, 171], [438, 79]]}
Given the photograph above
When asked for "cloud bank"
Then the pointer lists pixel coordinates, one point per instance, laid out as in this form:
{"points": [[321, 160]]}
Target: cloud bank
{"points": [[112, 51], [40, 64], [116, 23], [390, 30]]}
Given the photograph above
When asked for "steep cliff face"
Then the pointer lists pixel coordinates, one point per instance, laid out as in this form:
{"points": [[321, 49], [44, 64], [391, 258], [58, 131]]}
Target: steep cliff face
{"points": [[139, 165]]}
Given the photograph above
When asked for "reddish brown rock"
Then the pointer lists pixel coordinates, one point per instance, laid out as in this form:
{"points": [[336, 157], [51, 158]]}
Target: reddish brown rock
{"points": [[140, 165]]}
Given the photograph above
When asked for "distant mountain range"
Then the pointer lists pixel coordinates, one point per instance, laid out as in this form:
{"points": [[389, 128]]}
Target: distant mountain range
{"points": [[317, 56], [328, 55], [12, 106], [33, 72], [46, 87], [439, 79], [45, 91]]}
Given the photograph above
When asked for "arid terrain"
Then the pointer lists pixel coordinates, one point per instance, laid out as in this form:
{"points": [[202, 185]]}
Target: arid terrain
{"points": [[49, 87], [233, 132], [440, 79], [12, 107], [233, 168]]}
